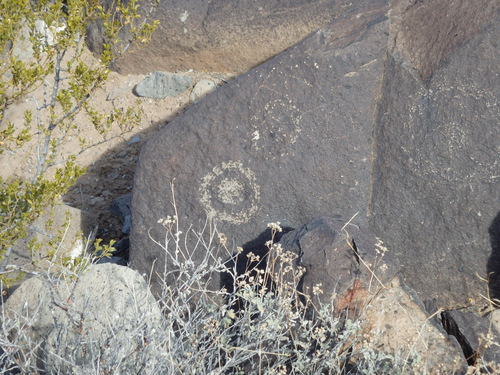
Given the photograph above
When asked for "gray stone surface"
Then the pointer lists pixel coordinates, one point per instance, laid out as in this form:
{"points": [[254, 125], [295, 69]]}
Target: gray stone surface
{"points": [[357, 274], [284, 142], [127, 224], [343, 258], [436, 185], [390, 113], [477, 335], [224, 35], [121, 206], [103, 319], [201, 89], [68, 228], [159, 85]]}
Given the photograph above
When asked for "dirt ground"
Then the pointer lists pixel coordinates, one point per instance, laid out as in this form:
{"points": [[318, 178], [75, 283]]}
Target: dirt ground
{"points": [[110, 165]]}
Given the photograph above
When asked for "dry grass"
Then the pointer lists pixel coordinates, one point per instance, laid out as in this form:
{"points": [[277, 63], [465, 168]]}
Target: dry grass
{"points": [[263, 326]]}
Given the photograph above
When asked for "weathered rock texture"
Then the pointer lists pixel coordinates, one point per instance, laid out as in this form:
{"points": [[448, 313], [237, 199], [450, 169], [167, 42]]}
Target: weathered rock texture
{"points": [[102, 321], [224, 35], [349, 263], [159, 85], [477, 335], [435, 172], [395, 322], [275, 145], [201, 89], [390, 113], [358, 276], [61, 233]]}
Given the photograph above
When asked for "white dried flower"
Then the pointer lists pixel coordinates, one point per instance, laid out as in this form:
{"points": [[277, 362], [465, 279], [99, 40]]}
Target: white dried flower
{"points": [[222, 239], [275, 226], [317, 289]]}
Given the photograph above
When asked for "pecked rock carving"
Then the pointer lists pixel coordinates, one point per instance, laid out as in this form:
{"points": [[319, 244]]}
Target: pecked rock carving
{"points": [[388, 114], [230, 193]]}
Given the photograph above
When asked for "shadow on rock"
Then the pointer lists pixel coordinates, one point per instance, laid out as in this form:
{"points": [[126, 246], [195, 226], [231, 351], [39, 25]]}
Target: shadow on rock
{"points": [[493, 266], [250, 260]]}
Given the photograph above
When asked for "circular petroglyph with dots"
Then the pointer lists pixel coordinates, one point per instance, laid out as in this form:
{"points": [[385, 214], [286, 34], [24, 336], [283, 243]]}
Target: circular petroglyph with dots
{"points": [[230, 193], [277, 123]]}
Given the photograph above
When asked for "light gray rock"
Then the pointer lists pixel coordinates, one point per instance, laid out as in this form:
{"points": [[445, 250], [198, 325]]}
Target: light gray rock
{"points": [[159, 85], [79, 228], [201, 89], [135, 139], [103, 320]]}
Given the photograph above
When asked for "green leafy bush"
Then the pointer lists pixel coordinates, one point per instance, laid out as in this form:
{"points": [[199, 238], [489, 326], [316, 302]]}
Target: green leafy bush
{"points": [[42, 44]]}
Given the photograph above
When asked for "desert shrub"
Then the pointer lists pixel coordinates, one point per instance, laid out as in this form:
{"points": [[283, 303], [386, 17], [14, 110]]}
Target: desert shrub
{"points": [[274, 330], [42, 45]]}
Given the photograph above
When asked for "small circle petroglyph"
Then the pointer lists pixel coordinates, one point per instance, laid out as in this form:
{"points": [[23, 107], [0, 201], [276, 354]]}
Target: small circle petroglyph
{"points": [[230, 193]]}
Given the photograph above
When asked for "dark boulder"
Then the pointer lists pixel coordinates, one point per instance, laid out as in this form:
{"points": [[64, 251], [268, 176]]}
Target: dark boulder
{"points": [[349, 267], [283, 142], [224, 35], [435, 176], [349, 263], [477, 335], [390, 113]]}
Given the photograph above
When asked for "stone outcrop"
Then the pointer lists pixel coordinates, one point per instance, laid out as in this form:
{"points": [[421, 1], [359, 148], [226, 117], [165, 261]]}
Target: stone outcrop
{"points": [[233, 155], [357, 274], [223, 35], [435, 171], [389, 113], [102, 320], [477, 335]]}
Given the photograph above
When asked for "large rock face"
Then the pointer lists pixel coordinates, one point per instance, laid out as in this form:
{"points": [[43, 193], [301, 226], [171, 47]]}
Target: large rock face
{"points": [[436, 173], [281, 143], [390, 113], [225, 35]]}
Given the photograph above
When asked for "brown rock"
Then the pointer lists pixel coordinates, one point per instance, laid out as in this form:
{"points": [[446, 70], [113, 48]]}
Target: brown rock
{"points": [[428, 32], [223, 35], [395, 323], [391, 113], [276, 144], [357, 275]]}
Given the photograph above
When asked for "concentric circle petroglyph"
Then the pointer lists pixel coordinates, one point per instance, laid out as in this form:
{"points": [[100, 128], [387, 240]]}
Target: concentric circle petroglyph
{"points": [[277, 123], [230, 193]]}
